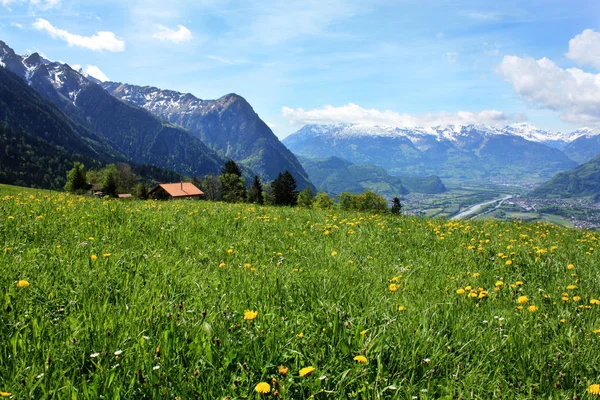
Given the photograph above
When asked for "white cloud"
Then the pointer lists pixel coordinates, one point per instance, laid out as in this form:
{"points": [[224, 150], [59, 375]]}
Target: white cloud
{"points": [[352, 113], [17, 25], [574, 93], [100, 41], [585, 48], [180, 35], [452, 57], [92, 71]]}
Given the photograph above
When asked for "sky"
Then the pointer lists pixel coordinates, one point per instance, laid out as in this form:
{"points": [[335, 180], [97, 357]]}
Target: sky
{"points": [[379, 62]]}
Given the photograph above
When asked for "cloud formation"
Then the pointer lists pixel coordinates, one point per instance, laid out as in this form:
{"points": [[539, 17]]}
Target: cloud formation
{"points": [[93, 71], [182, 34], [98, 42], [585, 48], [574, 93], [352, 113]]}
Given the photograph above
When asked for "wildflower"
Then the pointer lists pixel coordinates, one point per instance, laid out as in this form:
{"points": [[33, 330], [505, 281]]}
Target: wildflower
{"points": [[401, 308], [263, 387], [22, 284], [473, 294], [300, 335], [94, 355], [565, 299], [576, 298], [394, 287], [532, 309], [106, 255], [156, 367], [334, 254], [93, 257], [570, 266], [468, 288], [508, 262], [594, 301], [306, 371], [519, 283], [523, 300], [476, 274], [460, 291], [250, 315], [222, 265], [230, 251], [118, 352], [594, 389], [363, 332], [361, 359], [91, 239], [571, 287], [5, 394], [499, 283], [596, 331], [282, 370]]}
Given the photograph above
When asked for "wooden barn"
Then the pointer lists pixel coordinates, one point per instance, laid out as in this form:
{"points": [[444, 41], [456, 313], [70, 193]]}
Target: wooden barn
{"points": [[171, 191]]}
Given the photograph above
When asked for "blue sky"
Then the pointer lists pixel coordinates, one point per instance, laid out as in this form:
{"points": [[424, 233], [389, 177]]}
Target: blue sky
{"points": [[375, 62]]}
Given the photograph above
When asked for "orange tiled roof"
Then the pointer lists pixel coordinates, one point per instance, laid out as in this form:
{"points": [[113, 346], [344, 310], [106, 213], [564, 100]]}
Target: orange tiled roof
{"points": [[182, 189]]}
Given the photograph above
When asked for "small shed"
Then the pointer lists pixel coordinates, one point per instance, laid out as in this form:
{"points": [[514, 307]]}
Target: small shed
{"points": [[125, 195], [170, 191]]}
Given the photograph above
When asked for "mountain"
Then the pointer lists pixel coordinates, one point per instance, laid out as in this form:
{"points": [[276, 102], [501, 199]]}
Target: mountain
{"points": [[335, 175], [228, 125], [583, 181], [40, 144], [584, 147], [465, 153], [129, 130]]}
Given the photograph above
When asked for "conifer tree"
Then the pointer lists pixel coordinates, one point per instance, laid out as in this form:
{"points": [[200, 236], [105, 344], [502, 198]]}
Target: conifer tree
{"points": [[255, 194], [284, 190], [396, 206], [76, 179]]}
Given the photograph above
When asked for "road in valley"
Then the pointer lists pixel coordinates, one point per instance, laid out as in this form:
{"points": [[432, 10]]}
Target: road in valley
{"points": [[477, 207]]}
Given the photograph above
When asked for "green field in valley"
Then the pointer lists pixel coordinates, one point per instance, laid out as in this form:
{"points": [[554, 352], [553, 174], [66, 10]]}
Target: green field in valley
{"points": [[191, 299]]}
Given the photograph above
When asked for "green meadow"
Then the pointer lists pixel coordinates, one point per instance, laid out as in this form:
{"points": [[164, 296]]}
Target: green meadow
{"points": [[191, 299]]}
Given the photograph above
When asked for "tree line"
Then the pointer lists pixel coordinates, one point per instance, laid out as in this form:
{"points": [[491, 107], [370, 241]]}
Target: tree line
{"points": [[230, 186]]}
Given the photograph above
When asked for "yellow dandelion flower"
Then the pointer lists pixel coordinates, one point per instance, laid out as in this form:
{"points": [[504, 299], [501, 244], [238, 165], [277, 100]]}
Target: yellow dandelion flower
{"points": [[361, 359], [571, 287], [476, 274], [576, 298], [594, 389], [262, 387], [91, 239], [249, 315], [596, 331], [282, 370], [306, 371], [519, 283], [519, 307], [523, 300], [401, 308], [363, 332], [222, 265], [508, 262], [570, 266], [326, 233], [300, 335], [230, 251], [532, 309], [563, 321], [460, 291], [106, 255], [22, 284], [473, 294], [565, 299], [468, 288], [334, 254], [594, 301], [5, 394], [93, 257], [394, 287], [499, 283], [482, 294]]}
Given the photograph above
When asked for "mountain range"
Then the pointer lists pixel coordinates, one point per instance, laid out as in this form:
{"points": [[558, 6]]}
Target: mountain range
{"points": [[580, 182], [139, 136], [518, 153], [335, 175]]}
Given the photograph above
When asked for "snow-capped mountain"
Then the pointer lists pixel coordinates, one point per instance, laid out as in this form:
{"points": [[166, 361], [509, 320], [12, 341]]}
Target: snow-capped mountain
{"points": [[516, 153], [228, 125]]}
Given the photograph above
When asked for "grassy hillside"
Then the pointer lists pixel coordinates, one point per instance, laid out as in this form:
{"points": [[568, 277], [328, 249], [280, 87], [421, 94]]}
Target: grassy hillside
{"points": [[147, 299], [583, 181]]}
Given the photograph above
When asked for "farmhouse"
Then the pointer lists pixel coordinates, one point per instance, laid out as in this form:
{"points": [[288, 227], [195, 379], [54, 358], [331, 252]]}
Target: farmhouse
{"points": [[170, 191]]}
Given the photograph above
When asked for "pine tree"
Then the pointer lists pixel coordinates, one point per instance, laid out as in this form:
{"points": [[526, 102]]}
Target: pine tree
{"points": [[140, 191], [284, 190], [396, 206], [111, 181], [231, 168], [255, 194], [76, 179]]}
